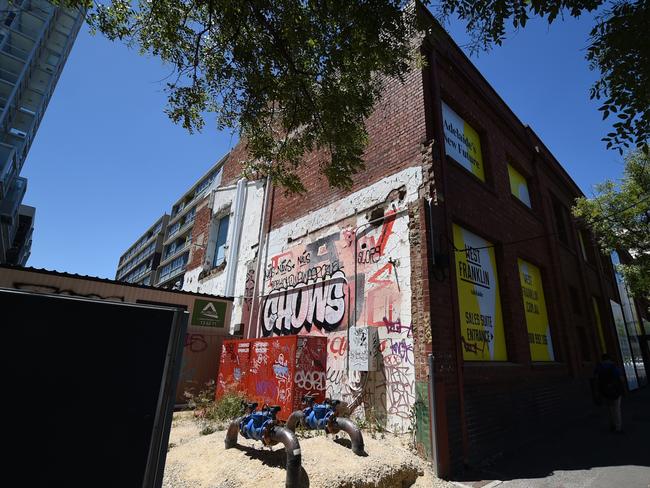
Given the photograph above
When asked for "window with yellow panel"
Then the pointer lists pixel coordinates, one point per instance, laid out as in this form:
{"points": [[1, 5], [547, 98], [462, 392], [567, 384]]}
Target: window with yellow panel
{"points": [[462, 142], [519, 186]]}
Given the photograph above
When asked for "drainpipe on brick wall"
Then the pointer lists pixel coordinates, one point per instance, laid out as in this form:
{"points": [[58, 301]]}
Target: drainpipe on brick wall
{"points": [[233, 251], [261, 239]]}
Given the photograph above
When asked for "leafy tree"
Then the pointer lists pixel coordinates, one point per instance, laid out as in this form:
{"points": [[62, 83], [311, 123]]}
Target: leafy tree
{"points": [[619, 49], [299, 76], [291, 76], [619, 216]]}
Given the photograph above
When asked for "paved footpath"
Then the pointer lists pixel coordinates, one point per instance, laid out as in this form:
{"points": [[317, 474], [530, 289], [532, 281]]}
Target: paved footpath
{"points": [[586, 455]]}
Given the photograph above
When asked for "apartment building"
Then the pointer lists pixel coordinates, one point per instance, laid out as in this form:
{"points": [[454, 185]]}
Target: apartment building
{"points": [[178, 235], [140, 262], [35, 40], [455, 241]]}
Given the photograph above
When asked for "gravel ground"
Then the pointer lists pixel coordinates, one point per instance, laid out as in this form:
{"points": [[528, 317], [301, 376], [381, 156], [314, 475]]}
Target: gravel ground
{"points": [[196, 460]]}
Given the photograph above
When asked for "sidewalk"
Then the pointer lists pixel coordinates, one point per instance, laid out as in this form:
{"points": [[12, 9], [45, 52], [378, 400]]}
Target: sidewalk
{"points": [[586, 455]]}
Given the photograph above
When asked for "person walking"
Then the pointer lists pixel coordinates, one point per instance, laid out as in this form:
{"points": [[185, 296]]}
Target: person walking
{"points": [[610, 386]]}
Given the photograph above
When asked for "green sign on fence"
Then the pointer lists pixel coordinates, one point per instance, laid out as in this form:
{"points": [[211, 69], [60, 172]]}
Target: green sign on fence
{"points": [[208, 313]]}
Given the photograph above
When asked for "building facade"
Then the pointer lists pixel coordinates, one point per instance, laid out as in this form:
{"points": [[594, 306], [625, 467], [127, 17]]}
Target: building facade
{"points": [[178, 234], [140, 262], [35, 40], [455, 241]]}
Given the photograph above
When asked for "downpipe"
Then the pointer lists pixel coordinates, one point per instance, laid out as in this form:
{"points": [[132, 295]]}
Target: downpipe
{"points": [[346, 425]]}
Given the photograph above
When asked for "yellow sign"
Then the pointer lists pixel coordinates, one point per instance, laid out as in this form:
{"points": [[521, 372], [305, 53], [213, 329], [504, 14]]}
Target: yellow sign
{"points": [[462, 142], [539, 330], [481, 321], [599, 324], [519, 186]]}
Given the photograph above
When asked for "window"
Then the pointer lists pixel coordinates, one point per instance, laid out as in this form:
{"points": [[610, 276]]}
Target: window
{"points": [[10, 18], [583, 341], [519, 186], [561, 222], [220, 247], [575, 300], [587, 247], [462, 142]]}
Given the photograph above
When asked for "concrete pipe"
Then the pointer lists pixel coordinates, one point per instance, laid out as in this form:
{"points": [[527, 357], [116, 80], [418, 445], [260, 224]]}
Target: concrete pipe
{"points": [[346, 425], [292, 448]]}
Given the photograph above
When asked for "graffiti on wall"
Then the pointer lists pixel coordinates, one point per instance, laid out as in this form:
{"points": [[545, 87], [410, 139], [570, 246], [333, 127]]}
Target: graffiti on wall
{"points": [[55, 290], [341, 277]]}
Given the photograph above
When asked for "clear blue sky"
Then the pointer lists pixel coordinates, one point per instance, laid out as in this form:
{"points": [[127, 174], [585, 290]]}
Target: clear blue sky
{"points": [[107, 162]]}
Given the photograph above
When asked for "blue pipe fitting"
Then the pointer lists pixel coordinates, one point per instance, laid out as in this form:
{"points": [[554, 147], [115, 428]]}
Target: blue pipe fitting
{"points": [[318, 416], [257, 425]]}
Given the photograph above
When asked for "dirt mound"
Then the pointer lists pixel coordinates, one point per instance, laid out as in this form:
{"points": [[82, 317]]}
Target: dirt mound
{"points": [[201, 461]]}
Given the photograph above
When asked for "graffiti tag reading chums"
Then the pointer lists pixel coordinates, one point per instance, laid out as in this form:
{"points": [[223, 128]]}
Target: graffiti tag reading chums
{"points": [[321, 304]]}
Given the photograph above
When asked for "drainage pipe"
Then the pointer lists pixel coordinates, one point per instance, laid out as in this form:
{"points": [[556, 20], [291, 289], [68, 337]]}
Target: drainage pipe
{"points": [[294, 420], [346, 425], [292, 448], [231, 434]]}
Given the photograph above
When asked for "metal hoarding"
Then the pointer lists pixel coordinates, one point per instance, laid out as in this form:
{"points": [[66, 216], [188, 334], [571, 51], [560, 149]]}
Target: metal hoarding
{"points": [[274, 370]]}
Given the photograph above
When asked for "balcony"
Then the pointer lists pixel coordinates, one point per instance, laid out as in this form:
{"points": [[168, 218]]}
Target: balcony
{"points": [[7, 167], [173, 252], [13, 50], [173, 269], [8, 76], [11, 203]]}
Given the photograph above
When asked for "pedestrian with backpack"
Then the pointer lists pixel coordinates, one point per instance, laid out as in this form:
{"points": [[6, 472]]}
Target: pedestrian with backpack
{"points": [[610, 386]]}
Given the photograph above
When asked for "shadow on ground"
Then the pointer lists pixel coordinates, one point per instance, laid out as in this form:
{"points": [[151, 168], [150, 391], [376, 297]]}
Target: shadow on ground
{"points": [[586, 444], [275, 459]]}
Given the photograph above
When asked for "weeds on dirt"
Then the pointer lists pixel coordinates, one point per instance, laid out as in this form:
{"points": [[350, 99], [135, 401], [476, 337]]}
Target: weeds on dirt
{"points": [[372, 422], [214, 414]]}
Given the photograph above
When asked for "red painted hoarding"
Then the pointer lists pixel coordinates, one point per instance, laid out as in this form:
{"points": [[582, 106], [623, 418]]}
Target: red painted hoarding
{"points": [[274, 370]]}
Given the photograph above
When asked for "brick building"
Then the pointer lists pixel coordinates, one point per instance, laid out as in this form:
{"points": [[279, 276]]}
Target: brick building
{"points": [[456, 240]]}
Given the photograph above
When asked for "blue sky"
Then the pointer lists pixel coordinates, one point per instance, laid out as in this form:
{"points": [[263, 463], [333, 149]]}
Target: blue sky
{"points": [[107, 162]]}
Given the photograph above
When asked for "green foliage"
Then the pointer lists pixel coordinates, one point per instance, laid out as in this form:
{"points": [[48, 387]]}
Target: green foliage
{"points": [[293, 77], [300, 77], [209, 411], [619, 216], [618, 49], [372, 422]]}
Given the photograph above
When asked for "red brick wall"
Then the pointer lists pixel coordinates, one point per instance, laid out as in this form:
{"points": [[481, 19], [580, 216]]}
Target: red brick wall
{"points": [[503, 402], [200, 234]]}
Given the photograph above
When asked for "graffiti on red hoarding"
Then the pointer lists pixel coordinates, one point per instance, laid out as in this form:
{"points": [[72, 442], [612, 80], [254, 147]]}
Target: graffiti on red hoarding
{"points": [[310, 380], [321, 305], [259, 359], [281, 371], [265, 388]]}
